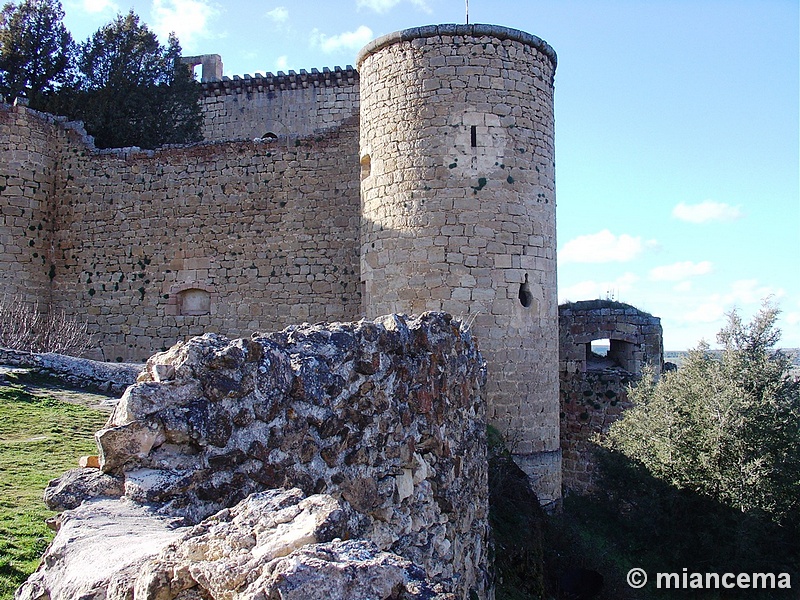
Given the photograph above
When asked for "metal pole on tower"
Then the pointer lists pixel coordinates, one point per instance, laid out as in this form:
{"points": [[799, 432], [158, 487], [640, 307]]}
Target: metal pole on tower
{"points": [[467, 2]]}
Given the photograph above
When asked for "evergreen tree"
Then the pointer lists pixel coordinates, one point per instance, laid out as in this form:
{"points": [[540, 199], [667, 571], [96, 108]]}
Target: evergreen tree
{"points": [[35, 50], [727, 427], [134, 92]]}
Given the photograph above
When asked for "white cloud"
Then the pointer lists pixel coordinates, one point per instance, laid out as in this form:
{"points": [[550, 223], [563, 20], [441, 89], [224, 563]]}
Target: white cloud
{"points": [[98, 6], [282, 63], [591, 290], [748, 291], [603, 247], [744, 292], [706, 211], [349, 40], [383, 6], [680, 271], [188, 19], [279, 14]]}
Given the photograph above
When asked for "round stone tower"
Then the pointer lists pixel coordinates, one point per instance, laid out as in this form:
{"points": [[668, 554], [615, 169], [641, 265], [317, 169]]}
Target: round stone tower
{"points": [[458, 210]]}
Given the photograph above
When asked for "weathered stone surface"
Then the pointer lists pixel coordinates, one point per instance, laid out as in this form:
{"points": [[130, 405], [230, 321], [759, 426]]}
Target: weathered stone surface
{"points": [[384, 418], [355, 570], [111, 378], [274, 544], [100, 548], [76, 485]]}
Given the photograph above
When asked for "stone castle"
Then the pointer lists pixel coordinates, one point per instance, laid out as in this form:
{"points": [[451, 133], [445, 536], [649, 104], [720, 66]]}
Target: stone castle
{"points": [[422, 180]]}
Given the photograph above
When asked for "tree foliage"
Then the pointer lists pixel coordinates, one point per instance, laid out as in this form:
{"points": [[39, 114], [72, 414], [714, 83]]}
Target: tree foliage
{"points": [[126, 87], [35, 50], [134, 91], [726, 427]]}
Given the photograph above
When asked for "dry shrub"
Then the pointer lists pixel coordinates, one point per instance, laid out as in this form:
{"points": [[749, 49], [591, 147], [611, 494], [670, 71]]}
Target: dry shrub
{"points": [[24, 327]]}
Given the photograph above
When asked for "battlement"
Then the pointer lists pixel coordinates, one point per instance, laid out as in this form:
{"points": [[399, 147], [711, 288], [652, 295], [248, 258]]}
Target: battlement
{"points": [[280, 82]]}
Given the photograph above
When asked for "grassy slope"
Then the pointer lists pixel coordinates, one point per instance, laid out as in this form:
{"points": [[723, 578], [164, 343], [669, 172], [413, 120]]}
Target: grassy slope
{"points": [[40, 438]]}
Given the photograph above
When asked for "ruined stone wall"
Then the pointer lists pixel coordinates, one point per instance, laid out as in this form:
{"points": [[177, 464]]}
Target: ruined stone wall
{"points": [[590, 403], [458, 192], [153, 247], [297, 104], [594, 389], [386, 419], [27, 181]]}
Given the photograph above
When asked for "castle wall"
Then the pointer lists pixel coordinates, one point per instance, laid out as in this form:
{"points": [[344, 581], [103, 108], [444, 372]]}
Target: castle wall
{"points": [[297, 104], [153, 247], [27, 180], [230, 238], [590, 403], [458, 215]]}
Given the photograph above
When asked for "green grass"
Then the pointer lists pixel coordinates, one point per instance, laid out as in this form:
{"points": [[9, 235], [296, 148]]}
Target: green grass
{"points": [[40, 438]]}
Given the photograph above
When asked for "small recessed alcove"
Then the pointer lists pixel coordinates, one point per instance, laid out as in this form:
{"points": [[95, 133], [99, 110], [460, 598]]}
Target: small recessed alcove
{"points": [[194, 302], [366, 166]]}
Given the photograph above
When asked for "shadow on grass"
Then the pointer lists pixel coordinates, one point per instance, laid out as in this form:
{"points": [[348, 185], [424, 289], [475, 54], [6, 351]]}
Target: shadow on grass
{"points": [[639, 521]]}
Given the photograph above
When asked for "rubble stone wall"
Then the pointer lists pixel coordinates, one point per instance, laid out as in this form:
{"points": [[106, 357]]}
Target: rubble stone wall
{"points": [[386, 417]]}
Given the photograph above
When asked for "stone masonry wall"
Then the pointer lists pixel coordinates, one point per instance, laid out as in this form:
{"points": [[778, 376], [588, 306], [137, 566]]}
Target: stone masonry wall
{"points": [[154, 247], [458, 195], [297, 104], [594, 389], [27, 181], [589, 405]]}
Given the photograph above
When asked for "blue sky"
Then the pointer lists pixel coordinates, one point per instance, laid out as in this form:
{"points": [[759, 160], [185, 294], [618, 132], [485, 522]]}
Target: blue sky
{"points": [[677, 143]]}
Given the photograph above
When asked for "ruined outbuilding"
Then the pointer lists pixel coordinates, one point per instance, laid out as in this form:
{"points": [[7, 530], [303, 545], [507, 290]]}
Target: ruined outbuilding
{"points": [[594, 387]]}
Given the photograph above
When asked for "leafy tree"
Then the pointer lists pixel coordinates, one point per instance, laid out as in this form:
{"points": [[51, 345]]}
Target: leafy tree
{"points": [[726, 427], [132, 91], [35, 50]]}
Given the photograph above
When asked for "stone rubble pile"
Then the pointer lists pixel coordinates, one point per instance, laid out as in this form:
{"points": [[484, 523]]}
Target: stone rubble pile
{"points": [[326, 461]]}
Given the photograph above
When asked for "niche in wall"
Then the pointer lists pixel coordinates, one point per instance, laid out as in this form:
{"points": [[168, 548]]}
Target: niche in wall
{"points": [[194, 302]]}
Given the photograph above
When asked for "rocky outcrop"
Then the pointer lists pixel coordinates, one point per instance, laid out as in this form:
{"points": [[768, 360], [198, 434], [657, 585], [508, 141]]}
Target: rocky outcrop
{"points": [[109, 378], [376, 429]]}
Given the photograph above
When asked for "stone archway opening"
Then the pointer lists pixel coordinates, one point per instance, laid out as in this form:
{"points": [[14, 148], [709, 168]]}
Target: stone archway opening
{"points": [[609, 353]]}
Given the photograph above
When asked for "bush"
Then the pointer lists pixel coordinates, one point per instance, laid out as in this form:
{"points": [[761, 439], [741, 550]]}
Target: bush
{"points": [[24, 327], [725, 427]]}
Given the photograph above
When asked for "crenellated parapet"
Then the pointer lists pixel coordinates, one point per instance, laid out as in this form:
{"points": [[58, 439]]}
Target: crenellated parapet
{"points": [[281, 82]]}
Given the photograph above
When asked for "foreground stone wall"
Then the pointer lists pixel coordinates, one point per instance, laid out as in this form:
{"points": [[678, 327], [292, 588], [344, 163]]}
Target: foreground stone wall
{"points": [[593, 388], [458, 191], [293, 105], [385, 418]]}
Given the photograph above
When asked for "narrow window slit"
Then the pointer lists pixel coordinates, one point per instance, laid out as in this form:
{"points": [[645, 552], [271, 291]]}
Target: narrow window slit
{"points": [[473, 136], [525, 296]]}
